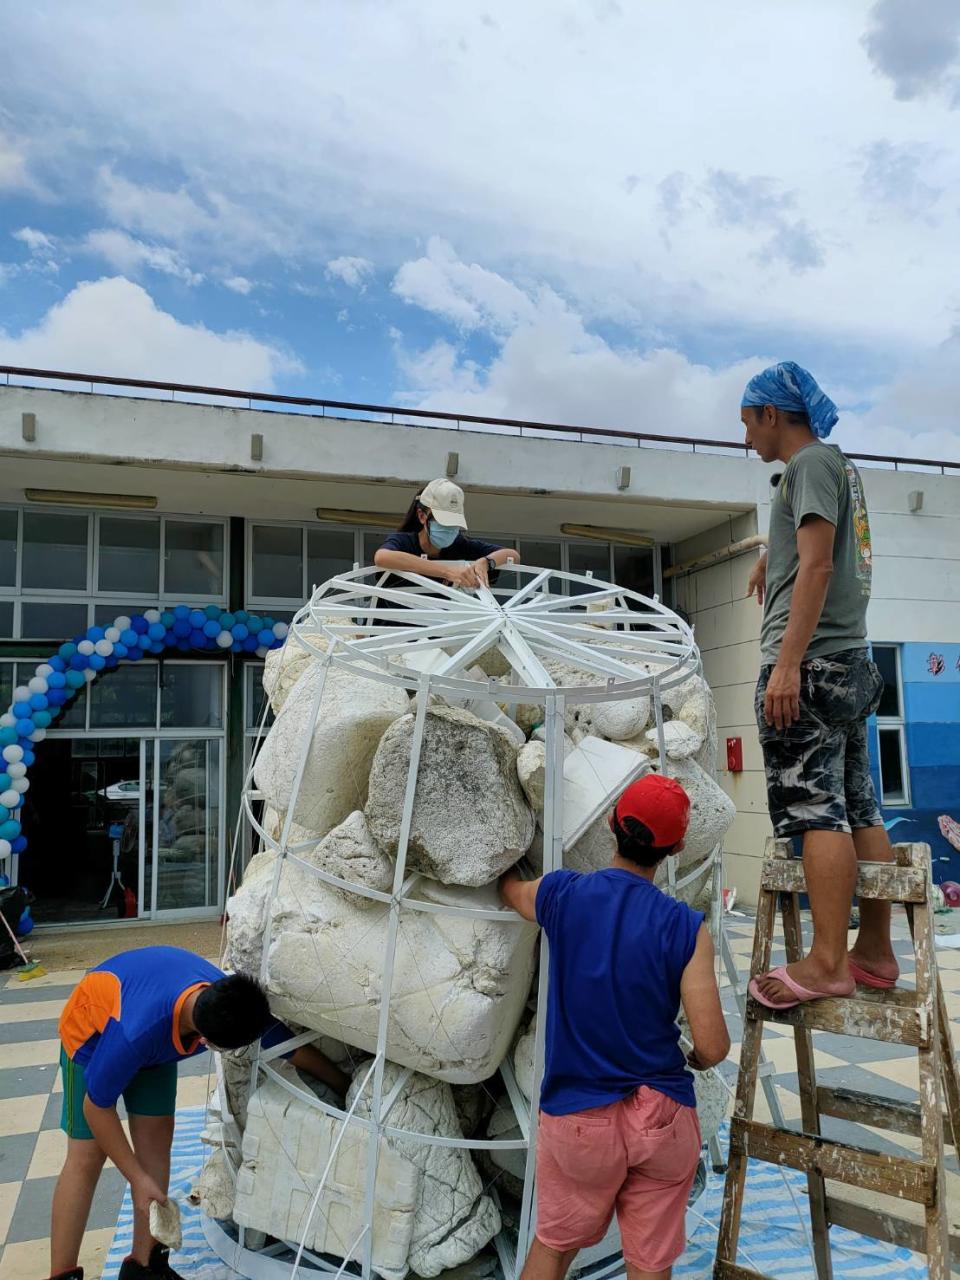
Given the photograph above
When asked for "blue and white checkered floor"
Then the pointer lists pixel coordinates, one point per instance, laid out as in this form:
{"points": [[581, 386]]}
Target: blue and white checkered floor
{"points": [[32, 1146]]}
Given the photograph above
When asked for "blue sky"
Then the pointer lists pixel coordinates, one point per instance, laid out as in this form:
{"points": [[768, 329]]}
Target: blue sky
{"points": [[591, 211]]}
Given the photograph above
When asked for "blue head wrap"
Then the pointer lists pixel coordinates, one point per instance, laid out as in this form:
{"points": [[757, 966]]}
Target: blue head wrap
{"points": [[788, 386]]}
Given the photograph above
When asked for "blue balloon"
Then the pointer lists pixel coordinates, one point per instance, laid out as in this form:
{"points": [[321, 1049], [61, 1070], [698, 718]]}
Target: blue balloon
{"points": [[144, 641], [254, 624], [250, 644], [266, 636], [26, 924], [19, 844], [75, 679], [156, 646], [182, 628], [5, 781], [196, 638], [57, 697], [267, 624], [4, 813], [25, 728], [67, 650], [183, 644], [129, 637], [212, 611], [96, 633], [156, 631], [134, 653], [226, 621], [239, 631], [119, 650], [79, 662], [139, 624], [197, 619], [56, 680], [97, 663], [8, 736], [58, 665], [9, 829], [28, 757], [42, 719], [22, 709], [112, 661], [211, 628], [38, 701], [167, 618], [241, 615]]}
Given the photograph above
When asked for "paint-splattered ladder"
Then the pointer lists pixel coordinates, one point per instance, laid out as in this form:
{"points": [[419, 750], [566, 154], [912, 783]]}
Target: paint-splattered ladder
{"points": [[917, 1018]]}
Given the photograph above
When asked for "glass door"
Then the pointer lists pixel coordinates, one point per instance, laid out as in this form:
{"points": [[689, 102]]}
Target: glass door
{"points": [[182, 826]]}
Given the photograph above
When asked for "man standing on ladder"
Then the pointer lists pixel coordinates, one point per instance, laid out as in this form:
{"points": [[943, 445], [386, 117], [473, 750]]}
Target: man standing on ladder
{"points": [[817, 685]]}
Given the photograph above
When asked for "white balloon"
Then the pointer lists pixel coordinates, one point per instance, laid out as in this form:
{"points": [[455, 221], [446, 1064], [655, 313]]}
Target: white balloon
{"points": [[20, 785], [112, 634], [38, 735], [89, 674], [12, 754], [44, 669], [20, 694], [122, 623], [38, 685], [85, 647], [280, 630], [10, 799], [152, 615], [6, 848], [224, 639], [7, 720], [104, 648], [262, 651], [16, 770]]}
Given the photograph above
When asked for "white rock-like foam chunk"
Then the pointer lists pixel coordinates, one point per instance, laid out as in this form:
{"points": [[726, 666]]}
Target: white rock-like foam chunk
{"points": [[340, 738], [471, 820], [459, 984]]}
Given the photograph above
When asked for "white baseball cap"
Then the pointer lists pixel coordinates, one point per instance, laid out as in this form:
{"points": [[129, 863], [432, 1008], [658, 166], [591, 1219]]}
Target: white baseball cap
{"points": [[445, 502]]}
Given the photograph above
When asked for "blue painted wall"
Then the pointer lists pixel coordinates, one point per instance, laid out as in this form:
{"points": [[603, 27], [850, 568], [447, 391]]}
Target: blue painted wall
{"points": [[931, 696]]}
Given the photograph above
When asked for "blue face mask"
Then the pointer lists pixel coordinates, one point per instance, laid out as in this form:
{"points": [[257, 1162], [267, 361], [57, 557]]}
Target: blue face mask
{"points": [[442, 535]]}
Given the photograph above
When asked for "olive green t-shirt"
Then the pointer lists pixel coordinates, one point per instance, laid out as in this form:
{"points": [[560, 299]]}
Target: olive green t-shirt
{"points": [[819, 481]]}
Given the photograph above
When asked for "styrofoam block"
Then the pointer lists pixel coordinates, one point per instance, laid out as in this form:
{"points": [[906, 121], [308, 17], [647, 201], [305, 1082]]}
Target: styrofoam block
{"points": [[594, 775]]}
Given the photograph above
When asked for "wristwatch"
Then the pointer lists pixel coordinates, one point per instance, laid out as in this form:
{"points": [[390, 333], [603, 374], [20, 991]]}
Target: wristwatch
{"points": [[492, 564]]}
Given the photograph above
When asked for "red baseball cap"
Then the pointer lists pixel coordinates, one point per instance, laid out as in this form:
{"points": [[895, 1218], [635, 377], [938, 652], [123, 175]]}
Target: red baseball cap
{"points": [[660, 804]]}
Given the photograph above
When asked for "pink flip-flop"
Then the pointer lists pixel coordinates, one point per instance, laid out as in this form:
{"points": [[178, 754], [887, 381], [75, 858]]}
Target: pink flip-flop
{"points": [[802, 994], [865, 979]]}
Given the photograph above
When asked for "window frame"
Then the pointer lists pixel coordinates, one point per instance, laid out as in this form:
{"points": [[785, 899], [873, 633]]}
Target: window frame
{"points": [[890, 725]]}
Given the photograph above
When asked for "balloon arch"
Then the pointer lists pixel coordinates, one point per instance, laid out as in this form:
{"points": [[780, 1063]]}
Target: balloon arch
{"points": [[37, 704]]}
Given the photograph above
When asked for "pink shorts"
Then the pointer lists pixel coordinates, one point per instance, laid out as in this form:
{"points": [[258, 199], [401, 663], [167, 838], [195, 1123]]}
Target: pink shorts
{"points": [[639, 1157]]}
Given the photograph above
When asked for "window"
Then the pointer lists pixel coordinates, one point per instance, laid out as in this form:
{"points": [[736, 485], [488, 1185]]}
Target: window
{"points": [[587, 557], [891, 735], [6, 619], [192, 695], [329, 552], [277, 552], [193, 559], [129, 556], [8, 548], [125, 698], [52, 621], [54, 551]]}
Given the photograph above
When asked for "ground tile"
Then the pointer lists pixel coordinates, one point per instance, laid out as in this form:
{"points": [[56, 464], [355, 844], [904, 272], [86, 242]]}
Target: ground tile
{"points": [[22, 1115], [193, 1091], [48, 1155], [63, 978], [16, 1082], [8, 1202], [32, 1053], [25, 993], [29, 1259], [12, 1033], [16, 1152], [33, 1010]]}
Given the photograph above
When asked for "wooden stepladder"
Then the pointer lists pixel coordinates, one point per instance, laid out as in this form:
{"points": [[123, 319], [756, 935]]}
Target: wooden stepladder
{"points": [[900, 1016]]}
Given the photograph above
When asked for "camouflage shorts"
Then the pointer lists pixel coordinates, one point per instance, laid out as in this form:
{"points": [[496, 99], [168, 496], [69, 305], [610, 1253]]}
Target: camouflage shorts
{"points": [[818, 769]]}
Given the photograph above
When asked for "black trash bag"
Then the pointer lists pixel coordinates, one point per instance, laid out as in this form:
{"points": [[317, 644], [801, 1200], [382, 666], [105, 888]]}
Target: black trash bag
{"points": [[13, 903]]}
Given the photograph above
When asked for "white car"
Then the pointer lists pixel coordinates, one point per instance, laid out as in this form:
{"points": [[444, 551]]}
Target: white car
{"points": [[122, 792]]}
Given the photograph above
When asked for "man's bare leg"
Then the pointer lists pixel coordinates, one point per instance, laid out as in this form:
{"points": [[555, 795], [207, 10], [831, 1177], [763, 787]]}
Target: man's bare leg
{"points": [[830, 867], [546, 1264], [151, 1138], [72, 1198], [872, 950], [634, 1273]]}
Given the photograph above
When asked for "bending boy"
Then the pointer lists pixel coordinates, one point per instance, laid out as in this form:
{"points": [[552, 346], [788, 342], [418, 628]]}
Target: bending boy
{"points": [[123, 1031], [618, 1121]]}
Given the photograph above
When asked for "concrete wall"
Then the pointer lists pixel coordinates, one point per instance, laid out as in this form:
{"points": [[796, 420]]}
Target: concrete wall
{"points": [[727, 628]]}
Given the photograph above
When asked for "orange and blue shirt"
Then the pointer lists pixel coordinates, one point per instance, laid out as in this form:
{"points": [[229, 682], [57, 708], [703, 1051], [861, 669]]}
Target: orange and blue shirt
{"points": [[124, 1016]]}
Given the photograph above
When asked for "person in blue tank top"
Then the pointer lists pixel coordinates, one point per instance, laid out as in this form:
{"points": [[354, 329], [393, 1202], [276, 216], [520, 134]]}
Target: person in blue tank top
{"points": [[618, 1124]]}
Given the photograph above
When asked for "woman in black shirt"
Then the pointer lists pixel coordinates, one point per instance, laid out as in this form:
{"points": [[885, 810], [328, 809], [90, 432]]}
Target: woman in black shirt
{"points": [[434, 527]]}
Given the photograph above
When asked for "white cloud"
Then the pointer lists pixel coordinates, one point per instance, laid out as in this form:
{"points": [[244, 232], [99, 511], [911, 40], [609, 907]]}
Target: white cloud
{"points": [[916, 45], [13, 165], [549, 367], [113, 326], [467, 294], [127, 254], [352, 271], [239, 284], [37, 242]]}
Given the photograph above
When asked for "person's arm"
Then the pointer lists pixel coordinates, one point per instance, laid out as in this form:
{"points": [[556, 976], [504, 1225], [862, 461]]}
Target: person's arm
{"points": [[316, 1064], [815, 536], [757, 582], [520, 894], [700, 997], [458, 575], [110, 1138]]}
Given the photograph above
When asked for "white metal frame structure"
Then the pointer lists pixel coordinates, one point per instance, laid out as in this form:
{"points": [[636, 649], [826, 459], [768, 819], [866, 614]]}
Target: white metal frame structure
{"points": [[365, 623]]}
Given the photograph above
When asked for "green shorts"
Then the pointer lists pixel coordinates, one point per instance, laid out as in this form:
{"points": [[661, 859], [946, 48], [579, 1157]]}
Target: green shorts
{"points": [[151, 1092]]}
